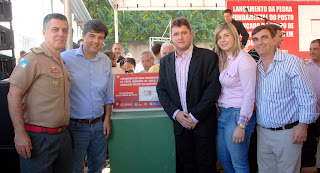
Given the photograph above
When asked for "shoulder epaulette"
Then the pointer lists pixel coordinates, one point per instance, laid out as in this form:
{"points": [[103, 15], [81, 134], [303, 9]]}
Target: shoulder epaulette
{"points": [[36, 50]]}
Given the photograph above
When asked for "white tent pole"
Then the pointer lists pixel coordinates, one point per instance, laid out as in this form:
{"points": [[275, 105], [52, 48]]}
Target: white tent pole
{"points": [[67, 13], [116, 36]]}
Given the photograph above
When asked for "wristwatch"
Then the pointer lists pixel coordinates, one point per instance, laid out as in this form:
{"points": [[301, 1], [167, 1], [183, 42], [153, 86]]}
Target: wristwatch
{"points": [[243, 126]]}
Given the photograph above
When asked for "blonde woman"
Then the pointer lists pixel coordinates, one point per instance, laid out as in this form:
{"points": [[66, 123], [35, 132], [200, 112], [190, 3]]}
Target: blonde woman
{"points": [[236, 101]]}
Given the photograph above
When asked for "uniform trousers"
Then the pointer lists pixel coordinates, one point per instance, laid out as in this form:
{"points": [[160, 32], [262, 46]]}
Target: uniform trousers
{"points": [[276, 153], [50, 153]]}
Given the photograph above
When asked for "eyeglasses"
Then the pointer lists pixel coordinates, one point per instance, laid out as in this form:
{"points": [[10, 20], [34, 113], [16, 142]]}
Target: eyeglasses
{"points": [[146, 61], [129, 71]]}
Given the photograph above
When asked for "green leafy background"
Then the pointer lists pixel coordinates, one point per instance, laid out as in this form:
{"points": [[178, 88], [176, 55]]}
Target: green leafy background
{"points": [[140, 25]]}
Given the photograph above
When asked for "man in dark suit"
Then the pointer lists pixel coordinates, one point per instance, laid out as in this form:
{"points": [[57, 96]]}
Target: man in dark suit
{"points": [[239, 26], [188, 88]]}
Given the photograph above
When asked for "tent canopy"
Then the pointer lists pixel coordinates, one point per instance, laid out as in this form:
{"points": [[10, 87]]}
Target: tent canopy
{"points": [[157, 5], [81, 14], [151, 5]]}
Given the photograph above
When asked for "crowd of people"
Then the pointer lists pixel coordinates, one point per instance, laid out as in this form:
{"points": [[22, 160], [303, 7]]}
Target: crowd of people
{"points": [[149, 60], [224, 103]]}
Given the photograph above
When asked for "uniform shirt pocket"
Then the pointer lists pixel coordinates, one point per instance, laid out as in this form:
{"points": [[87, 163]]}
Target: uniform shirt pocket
{"points": [[51, 82]]}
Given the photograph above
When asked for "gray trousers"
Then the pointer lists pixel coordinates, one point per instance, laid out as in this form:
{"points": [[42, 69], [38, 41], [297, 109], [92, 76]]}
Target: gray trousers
{"points": [[276, 153]]}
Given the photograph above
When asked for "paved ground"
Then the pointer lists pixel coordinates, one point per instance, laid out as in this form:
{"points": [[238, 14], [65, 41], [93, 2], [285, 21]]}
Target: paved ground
{"points": [[304, 170], [106, 170]]}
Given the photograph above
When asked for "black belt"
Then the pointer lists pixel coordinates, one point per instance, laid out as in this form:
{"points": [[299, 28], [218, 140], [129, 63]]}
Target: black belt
{"points": [[288, 126], [87, 121]]}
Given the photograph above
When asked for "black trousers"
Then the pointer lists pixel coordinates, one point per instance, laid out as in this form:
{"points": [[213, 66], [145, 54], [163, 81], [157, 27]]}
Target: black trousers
{"points": [[252, 153], [309, 149], [195, 154]]}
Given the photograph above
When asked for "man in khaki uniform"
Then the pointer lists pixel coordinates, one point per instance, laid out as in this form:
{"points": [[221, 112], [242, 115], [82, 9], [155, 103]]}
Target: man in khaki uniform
{"points": [[39, 104]]}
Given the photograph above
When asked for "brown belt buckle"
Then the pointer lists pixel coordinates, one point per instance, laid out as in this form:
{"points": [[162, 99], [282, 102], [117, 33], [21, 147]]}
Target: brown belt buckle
{"points": [[90, 121], [60, 130]]}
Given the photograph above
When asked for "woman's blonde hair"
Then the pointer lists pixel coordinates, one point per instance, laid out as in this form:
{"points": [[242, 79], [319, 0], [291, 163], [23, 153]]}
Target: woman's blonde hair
{"points": [[235, 48]]}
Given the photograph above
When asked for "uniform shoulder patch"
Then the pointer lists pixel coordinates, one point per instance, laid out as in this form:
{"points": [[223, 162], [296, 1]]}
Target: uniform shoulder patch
{"points": [[23, 62], [36, 50]]}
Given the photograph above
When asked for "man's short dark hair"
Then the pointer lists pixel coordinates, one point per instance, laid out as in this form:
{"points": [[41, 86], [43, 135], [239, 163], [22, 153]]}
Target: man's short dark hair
{"points": [[228, 11], [156, 48], [316, 41], [48, 17], [110, 54], [96, 26], [128, 60], [22, 52], [80, 40], [275, 27], [262, 27], [179, 22]]}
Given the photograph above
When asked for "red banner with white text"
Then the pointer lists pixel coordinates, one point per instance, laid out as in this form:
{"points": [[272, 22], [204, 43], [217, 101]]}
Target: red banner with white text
{"points": [[136, 92], [300, 21]]}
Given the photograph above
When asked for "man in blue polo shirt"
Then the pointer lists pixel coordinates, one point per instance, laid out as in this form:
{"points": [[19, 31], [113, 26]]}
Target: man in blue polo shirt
{"points": [[91, 97]]}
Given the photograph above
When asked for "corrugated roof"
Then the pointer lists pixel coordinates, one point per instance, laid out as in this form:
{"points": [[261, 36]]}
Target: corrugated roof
{"points": [[80, 12]]}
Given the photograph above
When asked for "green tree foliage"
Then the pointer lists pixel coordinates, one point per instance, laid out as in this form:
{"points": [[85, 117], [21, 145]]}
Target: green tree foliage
{"points": [[140, 25]]}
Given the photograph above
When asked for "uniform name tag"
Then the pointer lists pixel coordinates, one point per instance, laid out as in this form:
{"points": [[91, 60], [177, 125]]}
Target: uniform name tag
{"points": [[55, 71]]}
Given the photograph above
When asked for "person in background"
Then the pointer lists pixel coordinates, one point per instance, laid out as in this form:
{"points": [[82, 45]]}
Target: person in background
{"points": [[139, 67], [309, 148], [128, 55], [313, 67], [39, 104], [22, 53], [115, 68], [236, 121], [286, 104], [117, 50], [128, 65], [166, 48], [91, 97], [147, 60], [279, 34], [279, 38], [239, 26], [80, 42], [156, 51], [74, 45], [188, 88]]}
